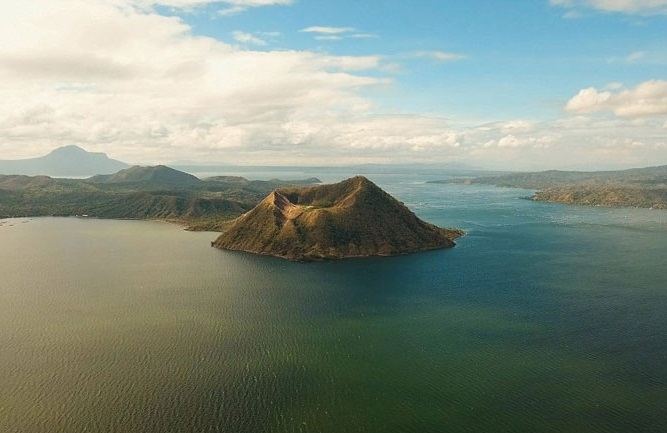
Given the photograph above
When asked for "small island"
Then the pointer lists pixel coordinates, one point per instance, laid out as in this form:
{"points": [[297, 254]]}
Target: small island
{"points": [[353, 218]]}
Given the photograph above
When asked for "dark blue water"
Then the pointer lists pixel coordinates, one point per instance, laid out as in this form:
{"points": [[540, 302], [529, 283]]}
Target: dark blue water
{"points": [[544, 318]]}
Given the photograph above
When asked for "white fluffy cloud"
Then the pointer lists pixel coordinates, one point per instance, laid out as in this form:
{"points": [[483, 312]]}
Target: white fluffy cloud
{"points": [[114, 76], [108, 76], [647, 99]]}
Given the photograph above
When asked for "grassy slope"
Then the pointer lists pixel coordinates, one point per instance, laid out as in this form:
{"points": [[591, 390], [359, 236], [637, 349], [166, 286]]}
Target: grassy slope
{"points": [[349, 219]]}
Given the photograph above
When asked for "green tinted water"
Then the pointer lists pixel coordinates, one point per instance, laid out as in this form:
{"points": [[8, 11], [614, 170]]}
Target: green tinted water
{"points": [[544, 318]]}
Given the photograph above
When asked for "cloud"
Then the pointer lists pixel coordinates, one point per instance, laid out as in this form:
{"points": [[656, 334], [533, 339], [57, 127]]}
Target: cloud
{"points": [[641, 7], [336, 33], [327, 30], [248, 38], [440, 56], [576, 142], [252, 3], [230, 7], [364, 36], [114, 77], [233, 7], [84, 66], [236, 7], [633, 57], [513, 134], [613, 85], [637, 55], [588, 100], [647, 99], [328, 38]]}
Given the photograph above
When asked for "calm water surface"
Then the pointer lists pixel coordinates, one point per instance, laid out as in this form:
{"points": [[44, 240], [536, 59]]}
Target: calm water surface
{"points": [[544, 318]]}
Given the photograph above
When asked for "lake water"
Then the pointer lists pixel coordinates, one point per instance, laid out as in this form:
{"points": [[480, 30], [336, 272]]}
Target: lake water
{"points": [[544, 318]]}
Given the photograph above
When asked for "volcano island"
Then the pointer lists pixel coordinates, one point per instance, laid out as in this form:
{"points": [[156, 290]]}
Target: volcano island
{"points": [[353, 218]]}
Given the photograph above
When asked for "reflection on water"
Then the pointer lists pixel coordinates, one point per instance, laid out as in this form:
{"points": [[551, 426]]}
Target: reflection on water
{"points": [[544, 318]]}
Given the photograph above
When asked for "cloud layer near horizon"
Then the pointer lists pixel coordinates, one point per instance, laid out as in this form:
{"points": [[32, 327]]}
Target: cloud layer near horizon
{"points": [[114, 76], [646, 7]]}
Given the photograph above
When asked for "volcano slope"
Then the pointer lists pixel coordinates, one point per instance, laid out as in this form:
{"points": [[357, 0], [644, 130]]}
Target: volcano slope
{"points": [[353, 218]]}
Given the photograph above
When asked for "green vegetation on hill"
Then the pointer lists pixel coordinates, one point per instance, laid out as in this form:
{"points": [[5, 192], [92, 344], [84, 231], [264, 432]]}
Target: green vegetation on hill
{"points": [[610, 196], [155, 175], [136, 193], [637, 187], [353, 218]]}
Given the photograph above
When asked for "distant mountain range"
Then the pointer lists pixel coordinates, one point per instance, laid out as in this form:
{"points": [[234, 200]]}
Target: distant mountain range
{"points": [[63, 161], [73, 161]]}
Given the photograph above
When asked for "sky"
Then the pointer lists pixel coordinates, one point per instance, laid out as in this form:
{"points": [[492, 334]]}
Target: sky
{"points": [[514, 84]]}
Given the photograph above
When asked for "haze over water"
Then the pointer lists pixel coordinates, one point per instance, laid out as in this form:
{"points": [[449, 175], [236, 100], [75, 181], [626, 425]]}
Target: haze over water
{"points": [[544, 318]]}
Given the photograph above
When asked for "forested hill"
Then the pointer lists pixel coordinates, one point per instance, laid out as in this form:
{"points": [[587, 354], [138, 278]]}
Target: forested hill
{"points": [[637, 187], [137, 193], [159, 174]]}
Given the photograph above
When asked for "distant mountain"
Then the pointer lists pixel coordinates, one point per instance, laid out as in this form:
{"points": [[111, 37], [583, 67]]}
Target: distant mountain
{"points": [[353, 218], [64, 161], [158, 174]]}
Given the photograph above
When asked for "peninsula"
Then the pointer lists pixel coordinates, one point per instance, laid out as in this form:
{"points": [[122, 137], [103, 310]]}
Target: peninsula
{"points": [[353, 218], [636, 187]]}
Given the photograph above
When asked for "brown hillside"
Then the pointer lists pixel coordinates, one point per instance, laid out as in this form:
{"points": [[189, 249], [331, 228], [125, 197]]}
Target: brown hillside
{"points": [[353, 218]]}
